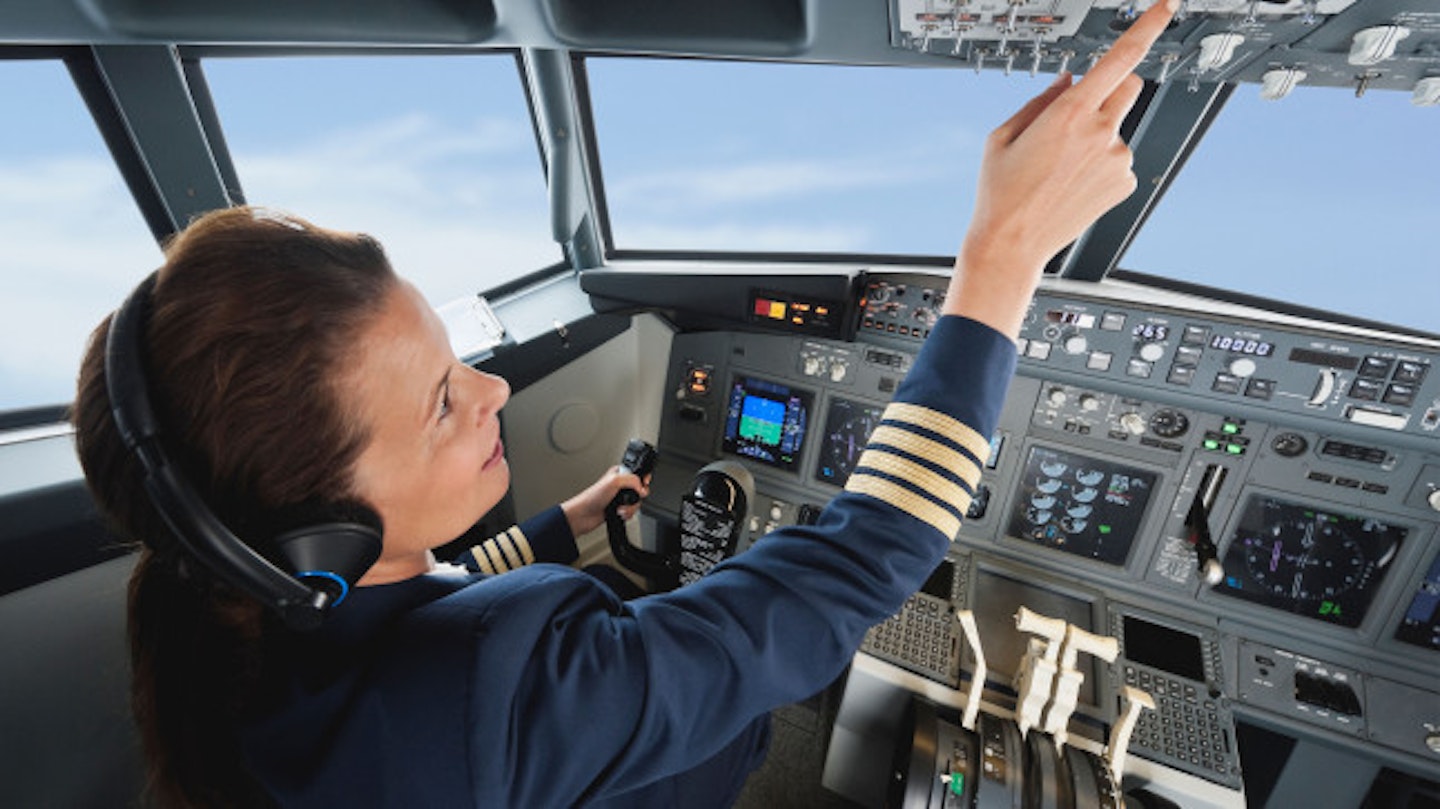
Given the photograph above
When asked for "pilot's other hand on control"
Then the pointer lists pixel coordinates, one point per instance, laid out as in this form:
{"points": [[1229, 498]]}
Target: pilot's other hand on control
{"points": [[586, 511], [1048, 173]]}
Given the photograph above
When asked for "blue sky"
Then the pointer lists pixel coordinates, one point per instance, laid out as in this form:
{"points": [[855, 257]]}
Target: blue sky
{"points": [[1320, 198]]}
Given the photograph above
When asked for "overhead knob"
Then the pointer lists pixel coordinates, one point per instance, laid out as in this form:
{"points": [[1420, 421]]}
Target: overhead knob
{"points": [[1057, 397], [1218, 49], [1276, 84], [1152, 352], [1089, 402], [1075, 344], [812, 366], [1242, 367], [838, 371], [1374, 45], [1432, 741], [1434, 499], [1133, 422], [1426, 92]]}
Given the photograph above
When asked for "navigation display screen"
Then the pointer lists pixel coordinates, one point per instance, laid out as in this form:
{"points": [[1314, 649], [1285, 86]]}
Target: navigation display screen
{"points": [[766, 421], [848, 426], [1080, 505], [1321, 564], [1421, 624]]}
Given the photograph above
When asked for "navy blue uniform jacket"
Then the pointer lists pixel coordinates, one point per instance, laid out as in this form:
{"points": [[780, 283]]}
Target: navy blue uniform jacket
{"points": [[541, 688]]}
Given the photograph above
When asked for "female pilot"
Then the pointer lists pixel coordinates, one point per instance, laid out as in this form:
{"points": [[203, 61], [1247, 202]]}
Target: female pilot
{"points": [[297, 378]]}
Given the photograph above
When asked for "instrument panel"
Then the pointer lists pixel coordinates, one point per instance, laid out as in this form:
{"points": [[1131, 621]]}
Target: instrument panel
{"points": [[1327, 619]]}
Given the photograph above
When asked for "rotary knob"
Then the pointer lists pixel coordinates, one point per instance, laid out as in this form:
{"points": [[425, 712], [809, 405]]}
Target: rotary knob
{"points": [[1152, 352], [1057, 397], [1075, 344], [1434, 499], [812, 366], [1089, 402], [838, 371], [1133, 422], [1242, 367]]}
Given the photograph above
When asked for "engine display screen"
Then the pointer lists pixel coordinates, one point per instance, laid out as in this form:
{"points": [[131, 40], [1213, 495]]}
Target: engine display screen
{"points": [[1080, 505], [1421, 624], [848, 426], [766, 421], [1309, 561]]}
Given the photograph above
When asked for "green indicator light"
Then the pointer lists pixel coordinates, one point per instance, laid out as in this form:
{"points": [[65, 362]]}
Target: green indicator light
{"points": [[1212, 444], [1104, 529], [1230, 427], [1234, 449], [957, 783]]}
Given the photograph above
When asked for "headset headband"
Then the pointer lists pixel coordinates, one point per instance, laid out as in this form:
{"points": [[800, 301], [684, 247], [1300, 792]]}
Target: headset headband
{"points": [[327, 558]]}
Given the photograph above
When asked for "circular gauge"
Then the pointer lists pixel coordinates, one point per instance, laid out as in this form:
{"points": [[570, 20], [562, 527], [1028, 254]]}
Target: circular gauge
{"points": [[1289, 445], [1168, 423], [1305, 559]]}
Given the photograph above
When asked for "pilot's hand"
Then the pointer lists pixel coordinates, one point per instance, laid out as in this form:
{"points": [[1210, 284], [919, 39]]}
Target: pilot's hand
{"points": [[586, 511], [1049, 172]]}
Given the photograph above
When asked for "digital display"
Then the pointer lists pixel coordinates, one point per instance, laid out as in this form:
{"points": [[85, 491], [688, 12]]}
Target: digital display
{"points": [[1080, 505], [1077, 319], [848, 426], [1314, 562], [1163, 648], [941, 581], [1421, 624], [1150, 332], [1241, 345], [766, 421], [997, 598]]}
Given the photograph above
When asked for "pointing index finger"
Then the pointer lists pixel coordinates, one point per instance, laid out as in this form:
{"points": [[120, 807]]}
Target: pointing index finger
{"points": [[1126, 53]]}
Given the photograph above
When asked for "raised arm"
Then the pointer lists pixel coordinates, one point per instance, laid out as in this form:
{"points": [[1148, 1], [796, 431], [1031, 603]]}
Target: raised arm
{"points": [[1049, 172]]}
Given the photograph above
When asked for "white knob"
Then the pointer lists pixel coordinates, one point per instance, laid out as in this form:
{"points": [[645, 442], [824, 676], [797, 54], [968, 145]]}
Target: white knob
{"points": [[1276, 84], [838, 371], [1089, 403], [1152, 352], [1434, 499], [1374, 45], [1134, 423], [1075, 344], [1433, 742], [1217, 49], [812, 366], [1057, 397], [1426, 92], [1242, 367]]}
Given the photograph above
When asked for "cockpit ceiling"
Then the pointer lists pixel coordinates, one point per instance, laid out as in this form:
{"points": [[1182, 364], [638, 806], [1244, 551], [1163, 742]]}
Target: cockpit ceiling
{"points": [[1361, 44]]}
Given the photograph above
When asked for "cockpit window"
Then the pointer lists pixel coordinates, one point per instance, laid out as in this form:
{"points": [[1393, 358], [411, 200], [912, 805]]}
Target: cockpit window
{"points": [[74, 241], [1319, 199], [434, 155], [792, 158]]}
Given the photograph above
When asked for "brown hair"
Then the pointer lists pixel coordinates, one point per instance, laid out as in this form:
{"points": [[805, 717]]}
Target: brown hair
{"points": [[250, 321]]}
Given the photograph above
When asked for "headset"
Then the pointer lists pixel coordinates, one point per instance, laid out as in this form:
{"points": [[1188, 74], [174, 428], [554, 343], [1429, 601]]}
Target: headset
{"points": [[322, 561]]}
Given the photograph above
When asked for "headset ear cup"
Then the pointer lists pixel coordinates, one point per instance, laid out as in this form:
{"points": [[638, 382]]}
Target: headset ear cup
{"points": [[330, 556]]}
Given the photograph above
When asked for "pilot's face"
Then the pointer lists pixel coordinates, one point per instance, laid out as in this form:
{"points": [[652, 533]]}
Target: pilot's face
{"points": [[435, 463]]}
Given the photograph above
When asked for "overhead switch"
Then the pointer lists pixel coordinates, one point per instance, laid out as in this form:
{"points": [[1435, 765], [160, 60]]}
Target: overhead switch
{"points": [[1372, 46], [1276, 84], [1218, 49], [1427, 92]]}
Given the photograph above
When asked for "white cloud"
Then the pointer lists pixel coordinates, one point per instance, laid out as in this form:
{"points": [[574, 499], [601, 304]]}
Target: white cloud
{"points": [[457, 209]]}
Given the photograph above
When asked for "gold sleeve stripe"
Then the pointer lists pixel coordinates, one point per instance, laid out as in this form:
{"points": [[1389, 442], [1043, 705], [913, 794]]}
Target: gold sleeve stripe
{"points": [[522, 543], [482, 559], [936, 487], [943, 456], [941, 424], [888, 491]]}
